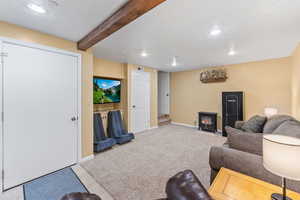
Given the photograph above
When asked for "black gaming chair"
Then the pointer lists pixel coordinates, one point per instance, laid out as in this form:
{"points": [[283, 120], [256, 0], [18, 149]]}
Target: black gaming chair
{"points": [[116, 129]]}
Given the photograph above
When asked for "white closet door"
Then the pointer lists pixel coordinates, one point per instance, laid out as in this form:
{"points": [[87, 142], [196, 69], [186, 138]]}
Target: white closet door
{"points": [[140, 101], [39, 100]]}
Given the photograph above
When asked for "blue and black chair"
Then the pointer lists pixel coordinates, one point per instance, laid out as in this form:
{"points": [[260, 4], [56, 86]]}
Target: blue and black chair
{"points": [[116, 129], [101, 142]]}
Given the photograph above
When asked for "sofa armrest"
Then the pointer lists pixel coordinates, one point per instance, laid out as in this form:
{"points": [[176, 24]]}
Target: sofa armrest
{"points": [[239, 124], [245, 163], [244, 141], [232, 159]]}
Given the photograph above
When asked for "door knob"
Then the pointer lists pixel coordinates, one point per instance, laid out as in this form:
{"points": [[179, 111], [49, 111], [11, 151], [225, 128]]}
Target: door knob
{"points": [[133, 106], [73, 119]]}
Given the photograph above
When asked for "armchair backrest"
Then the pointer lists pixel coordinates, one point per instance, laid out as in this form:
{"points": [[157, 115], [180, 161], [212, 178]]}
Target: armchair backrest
{"points": [[99, 133], [114, 124], [185, 185], [119, 117]]}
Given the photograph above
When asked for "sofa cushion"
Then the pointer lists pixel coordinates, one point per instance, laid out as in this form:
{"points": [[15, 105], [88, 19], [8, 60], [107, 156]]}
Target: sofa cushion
{"points": [[289, 128], [255, 124], [274, 122], [244, 141]]}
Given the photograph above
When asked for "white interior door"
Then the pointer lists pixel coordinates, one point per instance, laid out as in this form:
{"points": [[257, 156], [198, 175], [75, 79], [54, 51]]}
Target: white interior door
{"points": [[40, 133], [163, 93], [140, 101]]}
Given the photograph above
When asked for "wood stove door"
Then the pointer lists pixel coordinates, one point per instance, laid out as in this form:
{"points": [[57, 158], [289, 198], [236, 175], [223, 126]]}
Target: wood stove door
{"points": [[232, 103]]}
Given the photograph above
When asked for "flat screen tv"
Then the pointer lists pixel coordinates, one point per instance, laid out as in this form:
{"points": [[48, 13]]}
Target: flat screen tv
{"points": [[106, 90]]}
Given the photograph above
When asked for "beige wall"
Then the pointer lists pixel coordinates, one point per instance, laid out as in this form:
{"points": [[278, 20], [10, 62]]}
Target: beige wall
{"points": [[296, 83], [108, 69], [19, 33], [265, 83]]}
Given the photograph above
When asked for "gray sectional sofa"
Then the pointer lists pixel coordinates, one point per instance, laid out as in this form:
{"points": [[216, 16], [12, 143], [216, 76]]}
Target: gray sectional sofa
{"points": [[243, 150]]}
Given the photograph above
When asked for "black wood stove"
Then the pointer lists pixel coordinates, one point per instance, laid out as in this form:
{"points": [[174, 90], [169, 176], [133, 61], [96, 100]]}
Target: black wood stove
{"points": [[207, 121]]}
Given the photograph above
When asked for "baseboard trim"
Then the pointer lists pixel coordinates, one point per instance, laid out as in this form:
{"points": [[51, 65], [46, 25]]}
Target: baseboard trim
{"points": [[91, 157], [153, 127], [182, 124]]}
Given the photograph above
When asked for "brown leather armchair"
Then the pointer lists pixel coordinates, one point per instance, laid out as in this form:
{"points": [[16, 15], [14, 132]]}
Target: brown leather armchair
{"points": [[80, 196], [186, 186], [183, 186]]}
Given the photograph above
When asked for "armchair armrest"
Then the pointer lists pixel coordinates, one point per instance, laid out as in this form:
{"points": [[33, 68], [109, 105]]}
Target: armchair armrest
{"points": [[244, 141]]}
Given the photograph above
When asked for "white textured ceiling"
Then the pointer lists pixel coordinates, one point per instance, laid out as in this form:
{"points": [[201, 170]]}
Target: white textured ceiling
{"points": [[256, 29], [70, 19]]}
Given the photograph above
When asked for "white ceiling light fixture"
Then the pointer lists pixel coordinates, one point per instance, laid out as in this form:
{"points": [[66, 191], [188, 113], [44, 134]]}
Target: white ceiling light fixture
{"points": [[36, 8], [232, 52], [215, 31], [144, 54], [174, 63]]}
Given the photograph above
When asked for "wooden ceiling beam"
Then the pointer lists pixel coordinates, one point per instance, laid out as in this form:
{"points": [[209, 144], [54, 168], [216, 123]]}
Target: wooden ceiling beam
{"points": [[126, 14]]}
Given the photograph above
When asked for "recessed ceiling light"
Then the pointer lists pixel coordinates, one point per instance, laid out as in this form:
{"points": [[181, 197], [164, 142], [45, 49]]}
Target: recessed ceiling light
{"points": [[174, 63], [215, 31], [144, 54], [231, 52], [36, 8]]}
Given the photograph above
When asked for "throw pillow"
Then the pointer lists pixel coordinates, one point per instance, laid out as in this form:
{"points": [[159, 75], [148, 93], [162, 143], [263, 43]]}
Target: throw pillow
{"points": [[243, 141], [274, 122], [255, 124], [289, 128]]}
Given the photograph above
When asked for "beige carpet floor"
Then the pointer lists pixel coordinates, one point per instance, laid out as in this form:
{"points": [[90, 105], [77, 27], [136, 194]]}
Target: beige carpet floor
{"points": [[140, 169]]}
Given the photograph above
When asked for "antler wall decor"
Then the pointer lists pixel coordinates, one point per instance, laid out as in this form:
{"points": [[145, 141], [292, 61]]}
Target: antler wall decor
{"points": [[215, 75]]}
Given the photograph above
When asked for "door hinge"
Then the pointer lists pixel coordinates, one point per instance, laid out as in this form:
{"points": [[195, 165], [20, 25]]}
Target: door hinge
{"points": [[2, 173], [4, 54], [2, 116]]}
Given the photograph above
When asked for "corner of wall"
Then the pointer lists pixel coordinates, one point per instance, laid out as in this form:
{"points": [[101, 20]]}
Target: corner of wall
{"points": [[295, 83]]}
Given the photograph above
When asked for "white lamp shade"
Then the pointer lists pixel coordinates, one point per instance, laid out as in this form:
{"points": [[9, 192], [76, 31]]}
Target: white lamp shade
{"points": [[281, 156], [269, 112]]}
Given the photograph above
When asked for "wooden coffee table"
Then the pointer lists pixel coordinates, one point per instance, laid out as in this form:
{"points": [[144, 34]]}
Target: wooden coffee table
{"points": [[231, 185]]}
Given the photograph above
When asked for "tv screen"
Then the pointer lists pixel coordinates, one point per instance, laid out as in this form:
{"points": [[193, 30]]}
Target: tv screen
{"points": [[106, 90]]}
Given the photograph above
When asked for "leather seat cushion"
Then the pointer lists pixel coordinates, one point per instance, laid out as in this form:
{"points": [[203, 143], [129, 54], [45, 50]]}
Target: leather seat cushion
{"points": [[80, 196]]}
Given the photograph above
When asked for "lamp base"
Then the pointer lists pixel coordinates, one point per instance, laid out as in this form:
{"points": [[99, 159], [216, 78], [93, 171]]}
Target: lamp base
{"points": [[276, 196]]}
